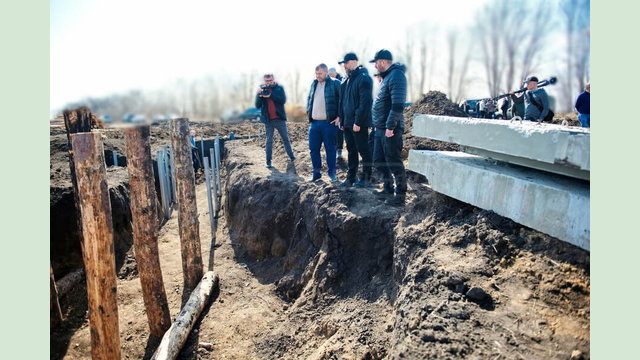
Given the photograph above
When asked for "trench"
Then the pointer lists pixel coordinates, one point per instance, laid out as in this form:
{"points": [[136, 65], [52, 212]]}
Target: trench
{"points": [[434, 279]]}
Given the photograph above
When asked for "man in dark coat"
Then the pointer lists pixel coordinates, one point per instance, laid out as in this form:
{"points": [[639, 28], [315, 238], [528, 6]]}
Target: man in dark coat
{"points": [[583, 103], [355, 119], [322, 112], [389, 123]]}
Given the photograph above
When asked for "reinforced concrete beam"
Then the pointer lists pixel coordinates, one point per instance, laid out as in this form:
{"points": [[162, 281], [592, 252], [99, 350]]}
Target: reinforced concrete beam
{"points": [[547, 147], [552, 204]]}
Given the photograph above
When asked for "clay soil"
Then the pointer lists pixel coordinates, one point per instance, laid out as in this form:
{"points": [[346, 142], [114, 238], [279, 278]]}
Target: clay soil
{"points": [[311, 271]]}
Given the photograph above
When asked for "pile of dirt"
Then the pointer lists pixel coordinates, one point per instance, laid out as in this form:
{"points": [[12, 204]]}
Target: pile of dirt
{"points": [[434, 103]]}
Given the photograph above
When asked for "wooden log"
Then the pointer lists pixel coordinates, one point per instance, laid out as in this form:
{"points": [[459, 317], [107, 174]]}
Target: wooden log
{"points": [[68, 281], [98, 251], [55, 314], [145, 228], [188, 224], [176, 336]]}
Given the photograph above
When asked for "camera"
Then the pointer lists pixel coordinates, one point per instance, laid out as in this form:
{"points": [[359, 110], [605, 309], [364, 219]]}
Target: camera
{"points": [[265, 89]]}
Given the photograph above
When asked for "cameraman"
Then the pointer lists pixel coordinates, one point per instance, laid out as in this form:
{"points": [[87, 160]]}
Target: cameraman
{"points": [[270, 99]]}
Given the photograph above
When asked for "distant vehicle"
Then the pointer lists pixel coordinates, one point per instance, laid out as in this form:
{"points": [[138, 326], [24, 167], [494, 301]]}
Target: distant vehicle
{"points": [[471, 110], [106, 118], [252, 114], [133, 118], [230, 115]]}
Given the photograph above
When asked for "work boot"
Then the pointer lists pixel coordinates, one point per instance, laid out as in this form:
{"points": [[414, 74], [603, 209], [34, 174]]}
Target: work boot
{"points": [[362, 184], [346, 184], [397, 200], [333, 178], [315, 177], [268, 165]]}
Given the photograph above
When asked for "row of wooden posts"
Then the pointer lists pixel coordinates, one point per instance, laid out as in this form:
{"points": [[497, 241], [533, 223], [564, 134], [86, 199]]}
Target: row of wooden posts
{"points": [[92, 200]]}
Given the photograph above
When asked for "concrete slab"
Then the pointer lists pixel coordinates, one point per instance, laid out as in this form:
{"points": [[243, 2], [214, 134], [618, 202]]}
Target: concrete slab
{"points": [[553, 204], [546, 147]]}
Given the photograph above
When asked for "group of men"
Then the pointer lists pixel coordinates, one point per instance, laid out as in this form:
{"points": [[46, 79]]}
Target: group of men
{"points": [[346, 108]]}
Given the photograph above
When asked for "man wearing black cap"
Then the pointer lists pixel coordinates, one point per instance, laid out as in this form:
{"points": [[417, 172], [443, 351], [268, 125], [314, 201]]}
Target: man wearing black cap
{"points": [[536, 101], [389, 123], [355, 119]]}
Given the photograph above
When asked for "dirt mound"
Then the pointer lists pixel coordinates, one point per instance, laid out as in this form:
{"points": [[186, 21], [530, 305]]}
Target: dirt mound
{"points": [[434, 103]]}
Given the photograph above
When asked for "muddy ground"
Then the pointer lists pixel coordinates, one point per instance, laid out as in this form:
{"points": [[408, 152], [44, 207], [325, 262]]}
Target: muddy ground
{"points": [[310, 271]]}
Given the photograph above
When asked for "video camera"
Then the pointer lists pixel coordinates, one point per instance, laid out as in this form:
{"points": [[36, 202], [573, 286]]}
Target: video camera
{"points": [[266, 89]]}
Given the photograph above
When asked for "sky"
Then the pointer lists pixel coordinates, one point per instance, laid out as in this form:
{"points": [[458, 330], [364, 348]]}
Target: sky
{"points": [[101, 47]]}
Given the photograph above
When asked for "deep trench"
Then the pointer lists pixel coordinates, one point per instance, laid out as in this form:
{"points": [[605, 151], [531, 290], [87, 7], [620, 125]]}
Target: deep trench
{"points": [[319, 245]]}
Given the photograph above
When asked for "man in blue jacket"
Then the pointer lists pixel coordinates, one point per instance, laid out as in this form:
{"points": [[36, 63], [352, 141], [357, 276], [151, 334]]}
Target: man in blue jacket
{"points": [[583, 107], [322, 112], [355, 119], [270, 99], [389, 123]]}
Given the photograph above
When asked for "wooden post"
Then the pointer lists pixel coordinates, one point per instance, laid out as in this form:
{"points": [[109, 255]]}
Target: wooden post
{"points": [[98, 252], [188, 224], [145, 228], [176, 336], [55, 314]]}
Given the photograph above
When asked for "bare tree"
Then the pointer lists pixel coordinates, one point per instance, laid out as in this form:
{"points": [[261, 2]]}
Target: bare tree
{"points": [[577, 23]]}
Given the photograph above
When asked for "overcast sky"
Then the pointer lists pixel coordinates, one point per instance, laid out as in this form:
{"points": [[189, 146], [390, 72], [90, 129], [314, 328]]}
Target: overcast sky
{"points": [[101, 47]]}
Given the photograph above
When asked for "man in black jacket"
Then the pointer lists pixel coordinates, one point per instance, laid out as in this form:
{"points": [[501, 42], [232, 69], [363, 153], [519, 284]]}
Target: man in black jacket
{"points": [[355, 119], [322, 111], [270, 99], [389, 123]]}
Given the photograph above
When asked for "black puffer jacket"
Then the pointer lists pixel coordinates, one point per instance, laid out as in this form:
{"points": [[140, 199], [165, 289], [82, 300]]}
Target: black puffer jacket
{"points": [[331, 97], [356, 96], [389, 104]]}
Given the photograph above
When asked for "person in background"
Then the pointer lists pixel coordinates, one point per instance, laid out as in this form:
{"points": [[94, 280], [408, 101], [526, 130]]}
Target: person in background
{"points": [[490, 109], [334, 74], [270, 99], [322, 112], [483, 107], [504, 107], [194, 150], [355, 119], [582, 106], [517, 105]]}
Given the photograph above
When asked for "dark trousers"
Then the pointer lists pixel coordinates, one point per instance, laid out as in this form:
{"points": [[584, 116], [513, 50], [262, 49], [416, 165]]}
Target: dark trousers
{"points": [[340, 140], [388, 160], [281, 126], [358, 143], [322, 132]]}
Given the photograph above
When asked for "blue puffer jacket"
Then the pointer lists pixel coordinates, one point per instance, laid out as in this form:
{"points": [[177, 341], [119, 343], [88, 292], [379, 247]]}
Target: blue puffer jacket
{"points": [[279, 98], [389, 104], [356, 96], [331, 97]]}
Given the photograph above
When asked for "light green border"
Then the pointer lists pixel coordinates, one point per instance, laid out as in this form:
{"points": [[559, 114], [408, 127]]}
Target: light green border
{"points": [[24, 65], [615, 206]]}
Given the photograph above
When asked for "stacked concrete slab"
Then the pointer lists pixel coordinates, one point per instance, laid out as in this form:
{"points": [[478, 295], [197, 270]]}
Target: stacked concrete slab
{"points": [[534, 174]]}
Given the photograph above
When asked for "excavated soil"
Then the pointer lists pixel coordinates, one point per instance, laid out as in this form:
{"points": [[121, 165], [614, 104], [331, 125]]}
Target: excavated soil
{"points": [[311, 271]]}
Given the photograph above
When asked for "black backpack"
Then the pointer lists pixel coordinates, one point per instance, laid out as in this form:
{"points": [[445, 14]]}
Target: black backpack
{"points": [[550, 114]]}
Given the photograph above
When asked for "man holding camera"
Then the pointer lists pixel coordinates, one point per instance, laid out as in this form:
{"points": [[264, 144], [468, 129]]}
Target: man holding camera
{"points": [[536, 101], [389, 123], [355, 119], [270, 99], [322, 111]]}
